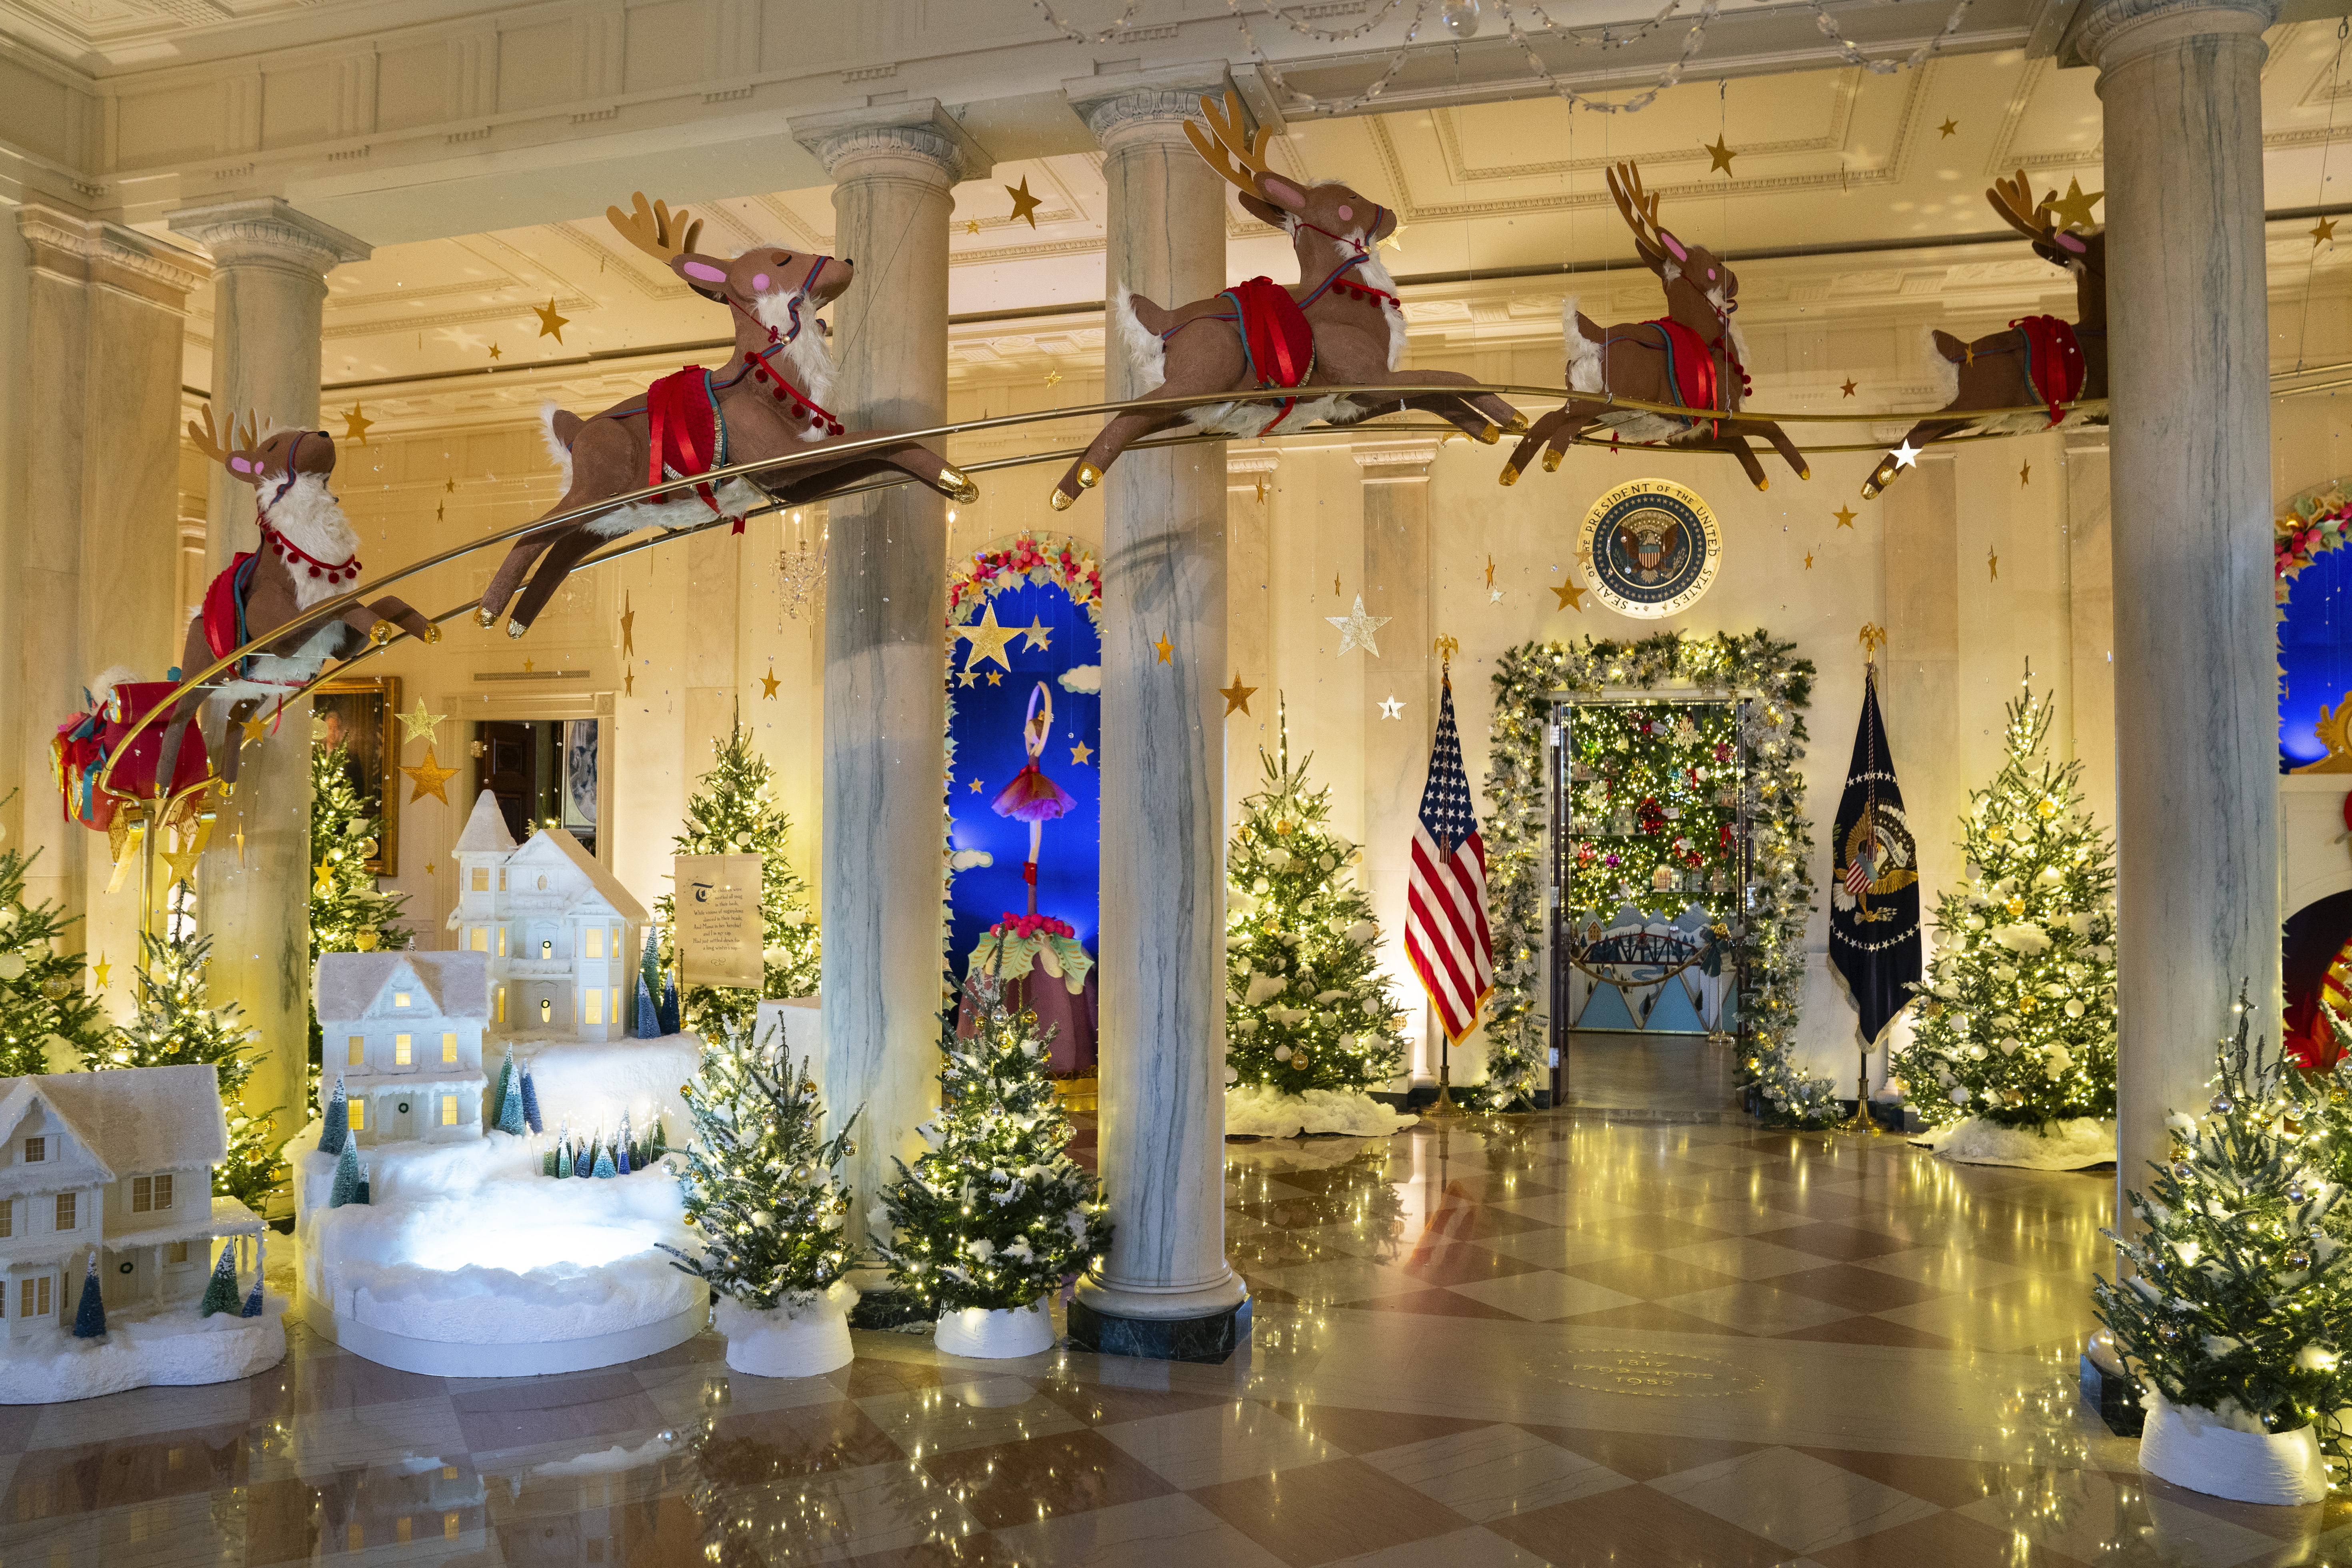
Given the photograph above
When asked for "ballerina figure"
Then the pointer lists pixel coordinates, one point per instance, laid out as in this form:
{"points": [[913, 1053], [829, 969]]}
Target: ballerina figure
{"points": [[1032, 798]]}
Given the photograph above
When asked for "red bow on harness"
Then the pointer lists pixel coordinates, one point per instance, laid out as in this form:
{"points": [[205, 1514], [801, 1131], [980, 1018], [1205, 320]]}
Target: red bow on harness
{"points": [[1276, 338], [689, 436], [1692, 360]]}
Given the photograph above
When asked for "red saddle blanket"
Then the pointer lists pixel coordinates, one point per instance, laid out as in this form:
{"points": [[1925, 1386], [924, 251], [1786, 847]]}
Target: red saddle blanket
{"points": [[2054, 361], [688, 435], [1691, 362], [1276, 339], [85, 740]]}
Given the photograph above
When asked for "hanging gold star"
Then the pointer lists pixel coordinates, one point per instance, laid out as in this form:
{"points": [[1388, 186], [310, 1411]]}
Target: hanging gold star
{"points": [[1721, 153], [768, 684], [1038, 634], [1260, 489], [1238, 697], [1848, 387], [2073, 210], [1080, 753], [1571, 597], [526, 666], [1490, 571], [1993, 562], [183, 863], [2025, 473], [326, 882], [239, 838], [628, 626], [430, 868], [1165, 647], [429, 777], [440, 511], [1335, 585], [1844, 515], [494, 352], [550, 325], [1809, 560], [355, 425], [971, 225], [1024, 205], [451, 486], [100, 969], [420, 724], [628, 682], [987, 638], [2323, 231], [1948, 127], [1053, 376], [254, 729]]}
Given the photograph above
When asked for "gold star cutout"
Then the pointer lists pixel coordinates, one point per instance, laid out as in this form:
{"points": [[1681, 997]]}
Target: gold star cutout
{"points": [[1238, 697], [1080, 753], [966, 676], [239, 838], [768, 684], [100, 969], [494, 352], [628, 626], [430, 868], [452, 486], [971, 225], [1038, 632], [1844, 515], [2073, 210], [1490, 571], [326, 882], [420, 724], [183, 866], [355, 425], [1848, 387], [1721, 153], [1571, 597], [526, 666], [440, 510], [628, 683], [987, 638], [1260, 489], [1053, 376], [1992, 563], [996, 677], [2323, 231], [1948, 127], [2025, 473], [975, 786], [1164, 646], [550, 325], [1356, 628], [1024, 205], [429, 777], [254, 729], [1335, 585], [1809, 560]]}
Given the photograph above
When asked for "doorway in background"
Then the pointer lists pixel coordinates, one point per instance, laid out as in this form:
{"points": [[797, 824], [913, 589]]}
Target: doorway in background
{"points": [[543, 773]]}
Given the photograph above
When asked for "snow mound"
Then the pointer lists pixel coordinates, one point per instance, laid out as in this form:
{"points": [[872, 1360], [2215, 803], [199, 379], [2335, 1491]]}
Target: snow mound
{"points": [[2072, 1145], [1260, 1111], [591, 1083], [174, 1347]]}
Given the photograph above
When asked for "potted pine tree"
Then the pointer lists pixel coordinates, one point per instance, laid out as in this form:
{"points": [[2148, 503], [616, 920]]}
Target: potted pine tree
{"points": [[760, 1190]]}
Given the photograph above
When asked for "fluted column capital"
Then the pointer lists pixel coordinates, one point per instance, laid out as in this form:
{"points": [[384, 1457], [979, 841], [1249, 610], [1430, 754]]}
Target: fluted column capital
{"points": [[266, 231], [917, 139], [1147, 106], [2111, 33]]}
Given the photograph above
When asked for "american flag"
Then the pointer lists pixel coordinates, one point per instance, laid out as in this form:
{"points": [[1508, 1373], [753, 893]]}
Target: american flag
{"points": [[1446, 933], [1858, 871]]}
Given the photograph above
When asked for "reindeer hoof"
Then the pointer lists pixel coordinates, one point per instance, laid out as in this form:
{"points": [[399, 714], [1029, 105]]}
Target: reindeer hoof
{"points": [[1491, 434], [957, 485], [1062, 500], [1088, 476], [485, 616], [515, 630], [1509, 477], [1551, 460], [1805, 473], [1763, 484], [381, 633], [1517, 427], [432, 631]]}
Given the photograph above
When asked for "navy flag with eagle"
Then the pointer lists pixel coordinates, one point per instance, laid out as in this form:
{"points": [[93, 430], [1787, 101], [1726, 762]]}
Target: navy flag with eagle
{"points": [[1874, 896]]}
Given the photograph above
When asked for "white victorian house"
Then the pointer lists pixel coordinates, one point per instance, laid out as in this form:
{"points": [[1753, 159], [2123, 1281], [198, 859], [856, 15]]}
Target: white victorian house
{"points": [[121, 1162], [560, 933], [404, 1033]]}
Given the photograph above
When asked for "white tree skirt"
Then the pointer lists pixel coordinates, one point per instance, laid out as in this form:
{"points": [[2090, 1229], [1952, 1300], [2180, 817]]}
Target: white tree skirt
{"points": [[2071, 1145], [1259, 1110], [171, 1346]]}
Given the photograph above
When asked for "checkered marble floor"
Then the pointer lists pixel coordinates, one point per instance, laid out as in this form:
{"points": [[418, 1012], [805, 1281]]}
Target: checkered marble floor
{"points": [[1556, 1339]]}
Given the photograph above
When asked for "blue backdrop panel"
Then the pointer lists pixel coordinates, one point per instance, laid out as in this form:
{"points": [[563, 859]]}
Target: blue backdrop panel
{"points": [[2314, 654], [985, 725]]}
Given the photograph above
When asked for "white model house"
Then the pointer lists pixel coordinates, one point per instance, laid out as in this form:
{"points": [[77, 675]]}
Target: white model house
{"points": [[403, 1032], [560, 935], [119, 1160]]}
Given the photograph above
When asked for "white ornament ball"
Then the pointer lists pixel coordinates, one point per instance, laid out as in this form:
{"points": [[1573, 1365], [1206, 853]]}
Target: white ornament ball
{"points": [[11, 965], [1281, 1053]]}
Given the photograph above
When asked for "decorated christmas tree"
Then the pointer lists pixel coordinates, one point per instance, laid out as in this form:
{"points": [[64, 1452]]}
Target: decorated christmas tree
{"points": [[1309, 1007], [176, 1025], [996, 1215], [347, 913], [733, 813], [2018, 1018], [758, 1176], [45, 1016], [2240, 1296]]}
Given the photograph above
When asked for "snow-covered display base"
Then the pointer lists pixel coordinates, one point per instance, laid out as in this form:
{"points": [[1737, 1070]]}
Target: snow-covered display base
{"points": [[169, 1346], [1259, 1110], [467, 1262], [2073, 1146]]}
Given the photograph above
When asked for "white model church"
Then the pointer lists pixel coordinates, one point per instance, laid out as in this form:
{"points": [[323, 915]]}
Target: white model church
{"points": [[560, 935]]}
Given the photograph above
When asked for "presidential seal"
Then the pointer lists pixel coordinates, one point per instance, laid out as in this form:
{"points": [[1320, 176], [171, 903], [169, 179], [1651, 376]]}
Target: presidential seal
{"points": [[1651, 548]]}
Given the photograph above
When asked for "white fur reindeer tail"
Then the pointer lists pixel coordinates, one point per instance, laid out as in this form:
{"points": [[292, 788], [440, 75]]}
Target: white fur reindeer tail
{"points": [[1145, 352]]}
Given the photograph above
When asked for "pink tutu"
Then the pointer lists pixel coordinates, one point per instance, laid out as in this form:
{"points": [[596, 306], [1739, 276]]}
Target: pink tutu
{"points": [[1032, 797]]}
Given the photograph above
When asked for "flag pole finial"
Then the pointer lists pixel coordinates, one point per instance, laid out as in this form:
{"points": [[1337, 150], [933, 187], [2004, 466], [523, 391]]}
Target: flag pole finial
{"points": [[1874, 638]]}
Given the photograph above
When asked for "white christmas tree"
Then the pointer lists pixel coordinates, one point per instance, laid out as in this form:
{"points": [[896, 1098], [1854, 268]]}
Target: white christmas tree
{"points": [[2018, 1018]]}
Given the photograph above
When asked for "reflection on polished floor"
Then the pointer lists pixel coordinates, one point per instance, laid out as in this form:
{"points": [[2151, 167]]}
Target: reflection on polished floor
{"points": [[1611, 1069], [1545, 1339]]}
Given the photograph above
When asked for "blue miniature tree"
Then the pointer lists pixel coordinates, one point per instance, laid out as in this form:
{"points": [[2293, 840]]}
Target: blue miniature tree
{"points": [[530, 1101], [648, 1016], [89, 1318], [336, 1129], [346, 1189], [220, 1290], [583, 1163], [361, 1197], [510, 1115], [252, 1299], [605, 1163], [669, 1024], [621, 1161]]}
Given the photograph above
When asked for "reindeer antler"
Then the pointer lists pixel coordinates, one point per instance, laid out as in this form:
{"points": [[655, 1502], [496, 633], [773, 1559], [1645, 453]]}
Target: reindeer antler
{"points": [[649, 228], [1640, 209], [1238, 156], [208, 441], [2013, 200]]}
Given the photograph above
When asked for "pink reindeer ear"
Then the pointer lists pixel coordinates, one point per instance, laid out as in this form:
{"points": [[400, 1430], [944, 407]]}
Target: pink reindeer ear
{"points": [[1673, 245], [703, 271], [2073, 243], [1282, 193]]}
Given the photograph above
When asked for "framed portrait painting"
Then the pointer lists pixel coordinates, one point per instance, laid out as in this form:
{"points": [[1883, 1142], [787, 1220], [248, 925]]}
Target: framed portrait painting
{"points": [[359, 714]]}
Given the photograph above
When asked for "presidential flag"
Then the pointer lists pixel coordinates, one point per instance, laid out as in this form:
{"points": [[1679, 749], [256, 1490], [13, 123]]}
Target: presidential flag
{"points": [[1446, 933], [1874, 902]]}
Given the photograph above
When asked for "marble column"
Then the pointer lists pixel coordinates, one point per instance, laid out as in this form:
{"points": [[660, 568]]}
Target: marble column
{"points": [[2180, 82], [96, 552], [884, 667], [1165, 1290], [269, 284], [1398, 577]]}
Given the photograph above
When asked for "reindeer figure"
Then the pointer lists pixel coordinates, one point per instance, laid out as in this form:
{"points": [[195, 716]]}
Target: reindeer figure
{"points": [[1691, 357], [1339, 325], [2039, 359], [767, 400], [308, 552]]}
